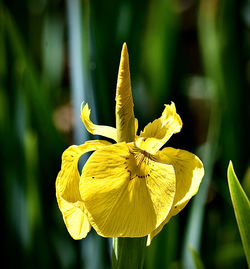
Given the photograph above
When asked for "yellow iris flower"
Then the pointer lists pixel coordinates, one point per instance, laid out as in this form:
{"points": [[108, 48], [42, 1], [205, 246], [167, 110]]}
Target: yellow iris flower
{"points": [[130, 188]]}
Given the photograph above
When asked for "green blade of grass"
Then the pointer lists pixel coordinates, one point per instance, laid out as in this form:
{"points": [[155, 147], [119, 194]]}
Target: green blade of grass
{"points": [[241, 207], [196, 258]]}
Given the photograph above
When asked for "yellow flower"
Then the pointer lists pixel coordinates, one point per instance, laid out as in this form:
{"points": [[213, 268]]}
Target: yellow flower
{"points": [[130, 188]]}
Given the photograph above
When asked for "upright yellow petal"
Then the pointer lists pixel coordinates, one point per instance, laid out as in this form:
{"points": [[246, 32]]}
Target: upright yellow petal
{"points": [[94, 129], [158, 132], [124, 101], [189, 173], [67, 189], [125, 192]]}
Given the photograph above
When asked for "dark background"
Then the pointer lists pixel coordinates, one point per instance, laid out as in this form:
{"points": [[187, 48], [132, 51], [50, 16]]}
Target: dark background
{"points": [[195, 53]]}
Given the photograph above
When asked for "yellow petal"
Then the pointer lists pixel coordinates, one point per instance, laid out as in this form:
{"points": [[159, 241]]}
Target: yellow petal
{"points": [[124, 101], [158, 132], [136, 125], [67, 189], [94, 129], [189, 173], [126, 193]]}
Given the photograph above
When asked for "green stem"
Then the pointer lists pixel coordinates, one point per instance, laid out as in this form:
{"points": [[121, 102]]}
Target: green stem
{"points": [[128, 252]]}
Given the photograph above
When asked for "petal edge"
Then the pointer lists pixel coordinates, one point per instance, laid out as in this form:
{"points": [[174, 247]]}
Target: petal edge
{"points": [[67, 189], [189, 173], [158, 132]]}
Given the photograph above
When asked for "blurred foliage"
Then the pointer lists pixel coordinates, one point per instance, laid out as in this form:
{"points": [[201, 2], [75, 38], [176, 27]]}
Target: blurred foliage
{"points": [[195, 53], [197, 261]]}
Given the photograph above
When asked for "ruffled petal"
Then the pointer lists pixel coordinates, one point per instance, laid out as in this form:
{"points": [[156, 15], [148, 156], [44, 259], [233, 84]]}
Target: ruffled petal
{"points": [[189, 173], [94, 129], [126, 193], [158, 132], [67, 189], [125, 120]]}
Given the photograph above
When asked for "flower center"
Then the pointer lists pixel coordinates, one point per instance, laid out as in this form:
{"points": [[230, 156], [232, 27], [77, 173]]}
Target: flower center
{"points": [[139, 163]]}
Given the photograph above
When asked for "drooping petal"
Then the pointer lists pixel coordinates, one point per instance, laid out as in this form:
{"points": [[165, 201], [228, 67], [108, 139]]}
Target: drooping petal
{"points": [[67, 189], [189, 173], [126, 193], [124, 101], [158, 132], [94, 129]]}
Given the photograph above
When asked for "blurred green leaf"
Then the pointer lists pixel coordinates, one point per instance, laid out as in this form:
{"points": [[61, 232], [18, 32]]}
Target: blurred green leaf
{"points": [[164, 248], [209, 35], [2, 45], [246, 181], [34, 204], [229, 254], [241, 209], [159, 51], [196, 258], [29, 76]]}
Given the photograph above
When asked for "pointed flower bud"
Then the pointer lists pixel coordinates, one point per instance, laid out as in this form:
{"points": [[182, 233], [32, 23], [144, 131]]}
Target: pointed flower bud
{"points": [[125, 121]]}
